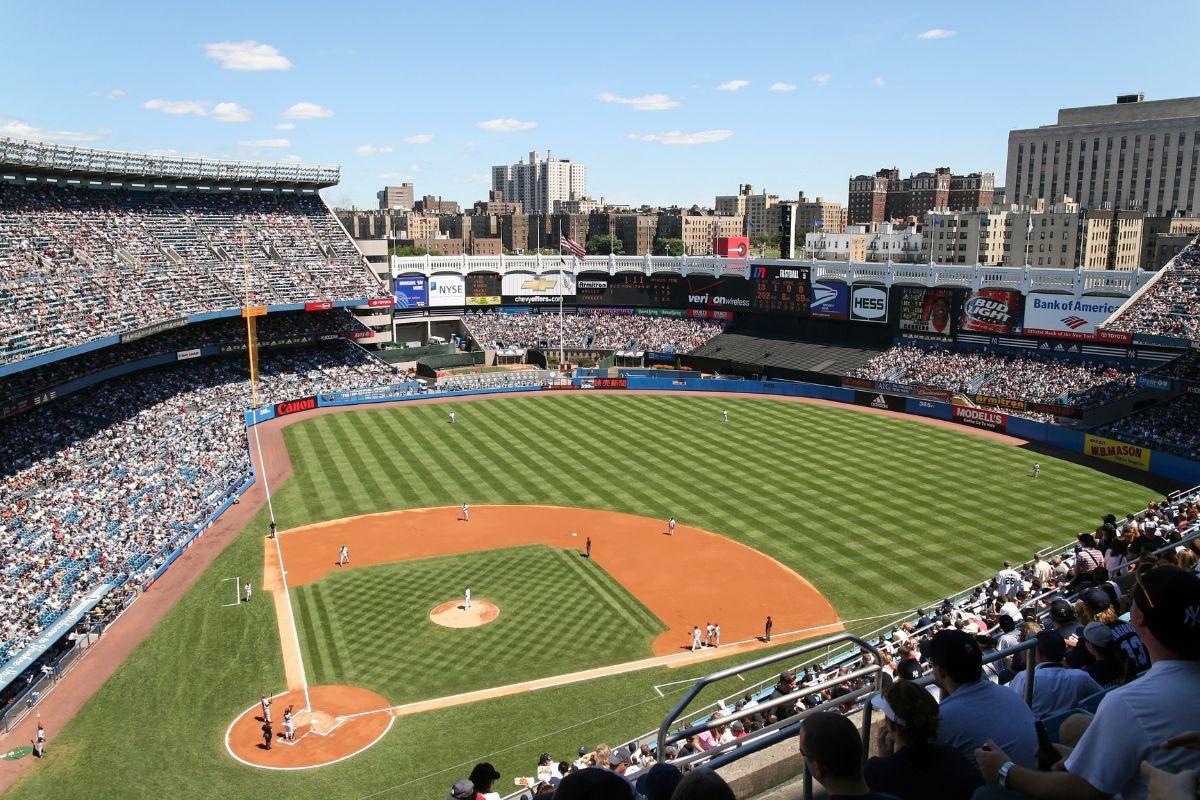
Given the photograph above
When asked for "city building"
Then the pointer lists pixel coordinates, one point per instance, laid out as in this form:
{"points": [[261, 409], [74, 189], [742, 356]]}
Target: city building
{"points": [[760, 211], [697, 228], [1134, 153], [436, 246], [801, 216], [538, 185], [436, 205], [582, 205], [398, 198], [636, 232], [1112, 239], [879, 242], [1164, 237], [373, 224], [886, 196]]}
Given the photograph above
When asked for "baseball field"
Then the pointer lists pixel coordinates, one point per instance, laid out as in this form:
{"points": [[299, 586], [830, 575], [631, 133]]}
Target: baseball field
{"points": [[847, 513]]}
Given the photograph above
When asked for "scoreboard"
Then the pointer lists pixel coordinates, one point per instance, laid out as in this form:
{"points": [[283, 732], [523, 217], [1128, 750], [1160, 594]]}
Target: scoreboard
{"points": [[663, 290], [781, 290], [482, 289]]}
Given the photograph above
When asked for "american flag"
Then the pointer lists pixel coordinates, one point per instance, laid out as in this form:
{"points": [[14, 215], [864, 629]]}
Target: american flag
{"points": [[574, 247]]}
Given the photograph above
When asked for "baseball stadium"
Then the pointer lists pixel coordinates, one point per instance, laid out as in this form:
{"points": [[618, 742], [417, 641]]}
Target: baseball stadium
{"points": [[281, 520]]}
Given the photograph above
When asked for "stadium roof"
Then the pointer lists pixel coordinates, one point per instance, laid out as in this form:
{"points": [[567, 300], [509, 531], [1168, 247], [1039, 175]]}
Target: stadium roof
{"points": [[23, 156]]}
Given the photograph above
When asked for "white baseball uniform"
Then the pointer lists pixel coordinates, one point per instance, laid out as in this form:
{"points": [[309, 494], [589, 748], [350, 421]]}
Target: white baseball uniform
{"points": [[467, 595], [266, 709], [343, 556], [725, 416], [453, 417], [671, 526], [695, 639], [466, 512]]}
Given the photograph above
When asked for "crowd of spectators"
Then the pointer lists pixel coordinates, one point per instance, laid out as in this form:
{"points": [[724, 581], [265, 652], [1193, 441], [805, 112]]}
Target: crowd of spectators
{"points": [[78, 263], [1033, 378], [591, 330], [95, 488], [1172, 426], [1170, 307]]}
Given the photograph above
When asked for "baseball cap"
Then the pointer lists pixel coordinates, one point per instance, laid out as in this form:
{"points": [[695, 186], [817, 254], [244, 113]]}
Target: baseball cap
{"points": [[462, 790], [1051, 645], [659, 782], [583, 751], [1169, 599], [616, 759], [1061, 610], [593, 782], [544, 758], [484, 772], [909, 669], [1099, 634], [1096, 600], [957, 653]]}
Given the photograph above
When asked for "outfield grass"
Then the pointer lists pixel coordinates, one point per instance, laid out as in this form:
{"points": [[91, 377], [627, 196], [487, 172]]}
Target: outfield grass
{"points": [[881, 513], [559, 613]]}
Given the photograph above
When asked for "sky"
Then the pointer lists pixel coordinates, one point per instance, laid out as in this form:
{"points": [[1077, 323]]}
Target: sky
{"points": [[665, 102]]}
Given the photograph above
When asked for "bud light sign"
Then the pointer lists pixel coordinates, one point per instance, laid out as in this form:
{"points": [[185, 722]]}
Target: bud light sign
{"points": [[990, 311]]}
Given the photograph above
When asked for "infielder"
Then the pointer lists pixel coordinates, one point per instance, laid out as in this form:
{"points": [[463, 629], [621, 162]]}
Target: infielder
{"points": [[671, 526], [265, 702], [467, 596], [1037, 470], [725, 415], [695, 638], [343, 556], [249, 590], [716, 634], [453, 417], [708, 635], [466, 513], [588, 547]]}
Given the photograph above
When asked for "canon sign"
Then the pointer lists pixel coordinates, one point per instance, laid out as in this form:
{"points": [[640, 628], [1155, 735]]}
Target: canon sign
{"points": [[295, 406], [868, 304]]}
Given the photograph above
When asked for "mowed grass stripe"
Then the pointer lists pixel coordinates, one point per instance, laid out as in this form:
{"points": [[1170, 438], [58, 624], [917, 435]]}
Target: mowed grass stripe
{"points": [[611, 591]]}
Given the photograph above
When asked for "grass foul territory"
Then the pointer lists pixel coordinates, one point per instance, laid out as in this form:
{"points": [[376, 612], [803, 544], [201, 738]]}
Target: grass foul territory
{"points": [[881, 513]]}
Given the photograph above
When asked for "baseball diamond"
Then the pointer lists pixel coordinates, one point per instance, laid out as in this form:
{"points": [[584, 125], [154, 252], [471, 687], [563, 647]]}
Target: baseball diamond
{"points": [[808, 488]]}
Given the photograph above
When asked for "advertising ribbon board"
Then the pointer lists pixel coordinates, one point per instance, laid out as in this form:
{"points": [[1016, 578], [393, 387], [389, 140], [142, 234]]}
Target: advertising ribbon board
{"points": [[1061, 316], [1128, 455], [410, 291], [981, 418]]}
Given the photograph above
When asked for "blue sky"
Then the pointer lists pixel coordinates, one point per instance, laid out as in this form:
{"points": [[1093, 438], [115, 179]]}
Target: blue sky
{"points": [[665, 102]]}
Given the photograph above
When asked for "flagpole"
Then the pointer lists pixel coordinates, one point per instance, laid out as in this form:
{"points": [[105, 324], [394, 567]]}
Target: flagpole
{"points": [[561, 347]]}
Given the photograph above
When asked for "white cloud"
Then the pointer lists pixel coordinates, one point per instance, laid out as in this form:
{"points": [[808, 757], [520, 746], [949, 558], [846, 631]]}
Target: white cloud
{"points": [[286, 126], [679, 137], [230, 112], [388, 176], [646, 102], [780, 86], [419, 138], [177, 107], [307, 111], [821, 78], [111, 94], [247, 56], [163, 151], [936, 33], [371, 150], [505, 125], [732, 86], [221, 112], [23, 130], [291, 158], [474, 177], [878, 81], [266, 143]]}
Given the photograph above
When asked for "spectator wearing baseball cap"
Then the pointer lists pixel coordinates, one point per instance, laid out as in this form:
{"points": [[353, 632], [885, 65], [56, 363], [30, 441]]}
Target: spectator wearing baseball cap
{"points": [[911, 765], [1055, 688], [484, 776], [594, 783], [1134, 721], [973, 709], [1109, 667], [659, 782], [462, 790]]}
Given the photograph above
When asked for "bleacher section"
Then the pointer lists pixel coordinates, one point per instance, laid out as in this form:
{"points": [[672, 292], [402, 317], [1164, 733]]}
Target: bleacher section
{"points": [[772, 353]]}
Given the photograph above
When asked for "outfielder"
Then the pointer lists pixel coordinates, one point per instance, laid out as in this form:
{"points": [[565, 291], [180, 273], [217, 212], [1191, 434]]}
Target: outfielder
{"points": [[249, 590], [671, 526], [466, 512], [1037, 470], [725, 415], [343, 556], [453, 417], [467, 596]]}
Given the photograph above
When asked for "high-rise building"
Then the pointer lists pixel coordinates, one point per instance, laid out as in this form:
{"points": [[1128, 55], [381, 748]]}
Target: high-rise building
{"points": [[760, 211], [540, 185], [886, 196], [1131, 154], [399, 198]]}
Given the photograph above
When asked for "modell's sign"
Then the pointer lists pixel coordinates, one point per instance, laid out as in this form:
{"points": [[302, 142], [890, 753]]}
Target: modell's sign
{"points": [[980, 418], [295, 406]]}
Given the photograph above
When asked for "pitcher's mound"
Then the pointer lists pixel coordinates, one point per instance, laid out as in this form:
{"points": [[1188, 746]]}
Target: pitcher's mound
{"points": [[455, 614]]}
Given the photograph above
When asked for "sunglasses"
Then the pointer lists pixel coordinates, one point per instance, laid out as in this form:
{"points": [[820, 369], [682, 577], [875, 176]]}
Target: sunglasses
{"points": [[1137, 576]]}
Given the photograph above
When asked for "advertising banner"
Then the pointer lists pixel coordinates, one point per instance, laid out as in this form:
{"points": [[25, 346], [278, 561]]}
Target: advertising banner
{"points": [[980, 418], [184, 355], [700, 313], [295, 406], [991, 311], [446, 290], [893, 388], [482, 289], [731, 246], [609, 383], [1129, 455], [926, 310], [528, 289], [858, 383], [379, 302], [780, 290], [659, 312], [878, 400], [1116, 337], [868, 304], [929, 393], [726, 293], [1000, 402], [150, 330], [830, 300], [319, 305], [1062, 316], [410, 291], [1154, 382]]}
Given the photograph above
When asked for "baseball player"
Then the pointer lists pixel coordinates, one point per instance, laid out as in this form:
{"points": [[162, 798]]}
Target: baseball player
{"points": [[725, 415], [289, 725], [588, 547], [708, 635], [343, 556], [265, 702], [671, 526], [716, 634], [466, 513], [695, 638], [467, 596], [274, 527], [249, 590], [767, 630], [268, 735], [39, 741], [1037, 470], [453, 417]]}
